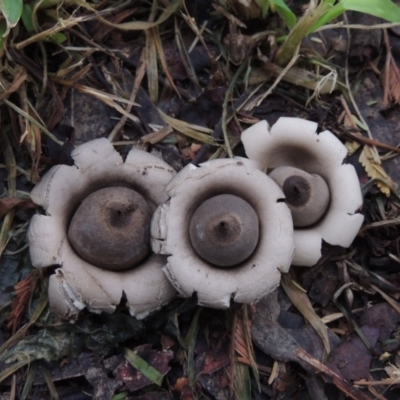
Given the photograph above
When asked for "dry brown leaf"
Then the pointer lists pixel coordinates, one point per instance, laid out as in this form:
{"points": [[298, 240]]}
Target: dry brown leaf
{"points": [[351, 146], [193, 131], [389, 299], [339, 382], [374, 170], [100, 32], [391, 76], [163, 61], [8, 88], [155, 137], [143, 25], [139, 75], [8, 203], [301, 301]]}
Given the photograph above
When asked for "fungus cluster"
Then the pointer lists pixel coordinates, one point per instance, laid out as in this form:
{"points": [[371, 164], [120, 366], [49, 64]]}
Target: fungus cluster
{"points": [[224, 230]]}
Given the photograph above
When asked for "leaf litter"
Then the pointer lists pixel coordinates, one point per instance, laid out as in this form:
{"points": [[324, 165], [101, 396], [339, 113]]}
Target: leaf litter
{"points": [[182, 81]]}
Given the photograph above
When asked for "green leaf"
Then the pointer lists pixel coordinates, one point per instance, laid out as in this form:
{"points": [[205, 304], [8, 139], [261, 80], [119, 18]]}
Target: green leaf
{"points": [[242, 381], [285, 12], [385, 9], [12, 10], [143, 367], [331, 14], [264, 5], [3, 40], [120, 396], [27, 18]]}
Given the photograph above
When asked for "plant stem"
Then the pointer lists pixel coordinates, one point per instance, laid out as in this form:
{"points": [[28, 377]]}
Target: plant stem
{"points": [[299, 32]]}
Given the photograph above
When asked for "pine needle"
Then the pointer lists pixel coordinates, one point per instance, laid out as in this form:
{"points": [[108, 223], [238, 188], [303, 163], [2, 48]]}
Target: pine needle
{"points": [[23, 290]]}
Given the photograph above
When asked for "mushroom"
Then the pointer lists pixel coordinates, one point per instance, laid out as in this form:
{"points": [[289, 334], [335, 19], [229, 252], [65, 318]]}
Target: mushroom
{"points": [[97, 228], [317, 173], [226, 230]]}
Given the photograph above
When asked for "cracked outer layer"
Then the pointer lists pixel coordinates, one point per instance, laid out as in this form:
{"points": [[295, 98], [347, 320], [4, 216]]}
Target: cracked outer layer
{"points": [[78, 283], [260, 273], [293, 142]]}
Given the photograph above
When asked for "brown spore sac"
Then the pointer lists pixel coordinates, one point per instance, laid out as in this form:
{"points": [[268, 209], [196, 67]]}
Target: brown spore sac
{"points": [[224, 230], [111, 229], [297, 190]]}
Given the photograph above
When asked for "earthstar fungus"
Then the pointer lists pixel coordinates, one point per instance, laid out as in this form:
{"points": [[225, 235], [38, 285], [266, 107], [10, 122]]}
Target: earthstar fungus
{"points": [[316, 166], [226, 231], [97, 228]]}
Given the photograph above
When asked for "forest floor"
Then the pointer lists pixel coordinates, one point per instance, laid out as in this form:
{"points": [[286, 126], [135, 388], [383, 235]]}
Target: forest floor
{"points": [[183, 81]]}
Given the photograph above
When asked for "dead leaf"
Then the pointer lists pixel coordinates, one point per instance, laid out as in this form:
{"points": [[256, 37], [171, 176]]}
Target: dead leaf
{"points": [[391, 76], [182, 386], [341, 383], [214, 360], [8, 203], [143, 25], [384, 317], [301, 301], [19, 79], [352, 359], [321, 283], [239, 47], [270, 334], [158, 136], [104, 387], [193, 131], [375, 170]]}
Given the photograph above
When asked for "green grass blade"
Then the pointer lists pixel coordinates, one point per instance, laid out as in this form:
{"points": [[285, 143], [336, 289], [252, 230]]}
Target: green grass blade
{"points": [[331, 14], [385, 9], [285, 12], [143, 367], [242, 381], [264, 5], [27, 18]]}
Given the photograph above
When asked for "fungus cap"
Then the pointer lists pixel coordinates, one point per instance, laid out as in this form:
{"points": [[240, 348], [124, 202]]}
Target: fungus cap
{"points": [[79, 283], [293, 142], [259, 272]]}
